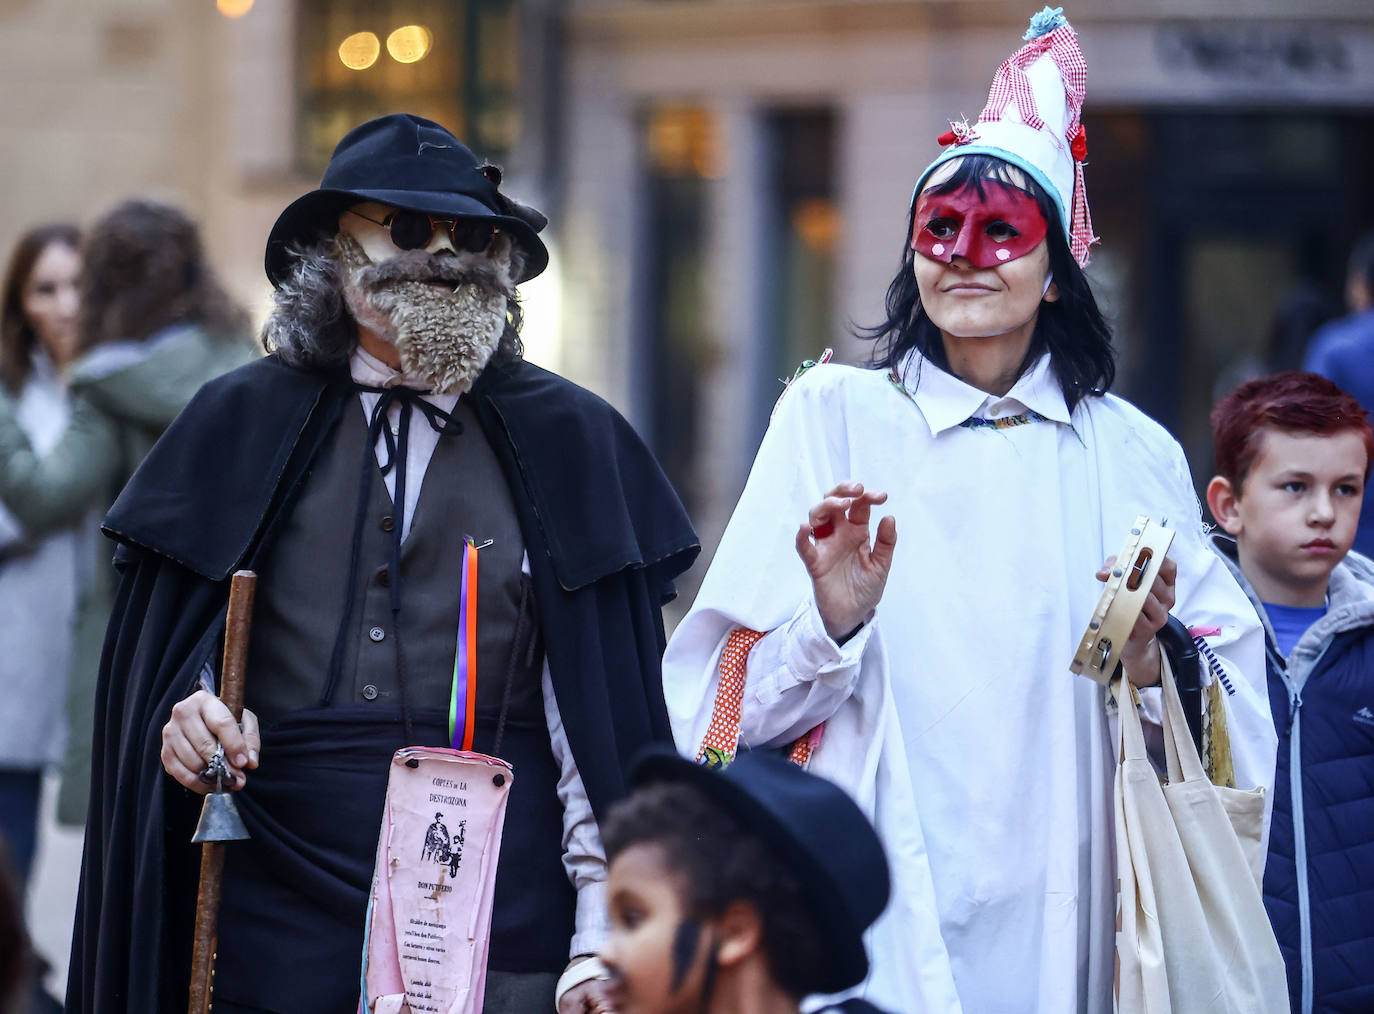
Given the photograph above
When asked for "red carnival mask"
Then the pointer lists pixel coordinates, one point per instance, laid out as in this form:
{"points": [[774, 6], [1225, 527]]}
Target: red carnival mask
{"points": [[1000, 226]]}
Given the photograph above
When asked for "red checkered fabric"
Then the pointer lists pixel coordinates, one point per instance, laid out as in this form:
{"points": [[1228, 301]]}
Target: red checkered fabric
{"points": [[1081, 236], [1010, 84]]}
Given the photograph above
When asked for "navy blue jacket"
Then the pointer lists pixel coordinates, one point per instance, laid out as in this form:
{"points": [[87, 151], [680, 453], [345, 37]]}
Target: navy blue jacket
{"points": [[1319, 878]]}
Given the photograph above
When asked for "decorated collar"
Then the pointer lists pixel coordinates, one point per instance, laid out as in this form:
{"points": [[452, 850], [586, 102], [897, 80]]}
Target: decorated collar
{"points": [[946, 401], [1005, 422]]}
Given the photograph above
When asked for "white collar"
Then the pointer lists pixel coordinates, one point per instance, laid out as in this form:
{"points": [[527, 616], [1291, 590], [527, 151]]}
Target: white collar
{"points": [[367, 369], [946, 401]]}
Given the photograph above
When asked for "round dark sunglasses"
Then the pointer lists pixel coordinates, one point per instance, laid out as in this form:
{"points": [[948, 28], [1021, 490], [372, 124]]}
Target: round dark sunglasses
{"points": [[413, 230]]}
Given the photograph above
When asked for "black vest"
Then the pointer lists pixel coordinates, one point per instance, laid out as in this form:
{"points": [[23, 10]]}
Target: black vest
{"points": [[326, 750], [302, 591]]}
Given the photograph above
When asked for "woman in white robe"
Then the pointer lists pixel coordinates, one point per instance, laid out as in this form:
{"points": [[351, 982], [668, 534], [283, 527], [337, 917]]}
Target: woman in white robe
{"points": [[940, 666]]}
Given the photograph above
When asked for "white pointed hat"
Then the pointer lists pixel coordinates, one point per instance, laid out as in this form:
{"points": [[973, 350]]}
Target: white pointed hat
{"points": [[1033, 121]]}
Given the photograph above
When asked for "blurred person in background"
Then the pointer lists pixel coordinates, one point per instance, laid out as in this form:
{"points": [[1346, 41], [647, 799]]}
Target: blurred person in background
{"points": [[1300, 313], [38, 323], [14, 942], [154, 324], [1343, 352], [37, 575]]}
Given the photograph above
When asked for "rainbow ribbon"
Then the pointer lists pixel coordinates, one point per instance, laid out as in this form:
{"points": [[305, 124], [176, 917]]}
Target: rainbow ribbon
{"points": [[463, 699]]}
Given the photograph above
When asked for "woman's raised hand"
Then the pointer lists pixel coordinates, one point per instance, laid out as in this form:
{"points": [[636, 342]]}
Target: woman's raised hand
{"points": [[847, 574]]}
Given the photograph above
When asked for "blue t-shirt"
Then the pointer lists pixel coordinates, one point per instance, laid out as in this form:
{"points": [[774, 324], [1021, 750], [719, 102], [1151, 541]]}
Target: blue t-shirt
{"points": [[1291, 622]]}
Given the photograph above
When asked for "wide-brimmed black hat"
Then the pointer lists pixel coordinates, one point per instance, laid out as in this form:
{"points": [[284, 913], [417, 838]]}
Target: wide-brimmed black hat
{"points": [[409, 163], [814, 829]]}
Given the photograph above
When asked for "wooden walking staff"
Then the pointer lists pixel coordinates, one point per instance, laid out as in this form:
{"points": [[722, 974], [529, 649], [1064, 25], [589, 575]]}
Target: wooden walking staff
{"points": [[219, 818]]}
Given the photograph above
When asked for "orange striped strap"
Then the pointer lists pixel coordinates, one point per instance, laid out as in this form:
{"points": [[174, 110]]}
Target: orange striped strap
{"points": [[719, 746], [462, 701]]}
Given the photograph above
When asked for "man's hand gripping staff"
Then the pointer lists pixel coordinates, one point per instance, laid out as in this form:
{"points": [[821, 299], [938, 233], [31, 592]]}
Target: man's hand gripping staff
{"points": [[198, 727]]}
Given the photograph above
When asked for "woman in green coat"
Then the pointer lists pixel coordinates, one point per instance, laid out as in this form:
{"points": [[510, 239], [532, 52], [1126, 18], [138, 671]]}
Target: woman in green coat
{"points": [[155, 325]]}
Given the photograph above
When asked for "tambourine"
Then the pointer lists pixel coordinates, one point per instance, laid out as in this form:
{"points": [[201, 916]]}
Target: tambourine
{"points": [[1133, 575]]}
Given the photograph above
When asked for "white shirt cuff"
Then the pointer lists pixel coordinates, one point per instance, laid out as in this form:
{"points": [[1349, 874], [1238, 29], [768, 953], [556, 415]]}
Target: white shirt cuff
{"points": [[584, 859], [593, 924], [814, 654]]}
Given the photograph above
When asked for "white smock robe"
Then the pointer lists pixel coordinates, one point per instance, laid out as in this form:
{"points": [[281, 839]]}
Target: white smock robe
{"points": [[952, 716]]}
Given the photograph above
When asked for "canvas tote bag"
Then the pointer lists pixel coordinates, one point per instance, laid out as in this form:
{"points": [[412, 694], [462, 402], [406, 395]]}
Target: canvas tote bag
{"points": [[1192, 932]]}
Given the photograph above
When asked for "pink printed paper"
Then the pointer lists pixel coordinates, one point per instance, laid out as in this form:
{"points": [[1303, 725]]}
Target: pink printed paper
{"points": [[429, 917]]}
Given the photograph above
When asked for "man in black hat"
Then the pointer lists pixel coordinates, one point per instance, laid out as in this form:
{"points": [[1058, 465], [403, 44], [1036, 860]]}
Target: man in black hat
{"points": [[392, 441], [745, 889]]}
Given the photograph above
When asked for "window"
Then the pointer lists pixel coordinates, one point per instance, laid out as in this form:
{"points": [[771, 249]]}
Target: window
{"points": [[1224, 238], [452, 61], [680, 154], [805, 234]]}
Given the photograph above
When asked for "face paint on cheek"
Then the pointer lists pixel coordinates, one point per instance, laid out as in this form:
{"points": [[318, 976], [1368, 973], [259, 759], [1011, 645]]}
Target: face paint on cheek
{"points": [[684, 950], [987, 231]]}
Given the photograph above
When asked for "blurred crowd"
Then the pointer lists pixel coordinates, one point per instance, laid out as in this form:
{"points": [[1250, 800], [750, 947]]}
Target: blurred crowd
{"points": [[105, 334]]}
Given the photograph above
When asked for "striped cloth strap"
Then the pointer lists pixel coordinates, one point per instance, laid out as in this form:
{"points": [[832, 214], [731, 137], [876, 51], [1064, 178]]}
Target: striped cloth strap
{"points": [[721, 743]]}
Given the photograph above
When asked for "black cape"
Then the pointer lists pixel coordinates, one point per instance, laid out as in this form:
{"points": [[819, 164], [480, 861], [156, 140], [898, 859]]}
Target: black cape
{"points": [[605, 533]]}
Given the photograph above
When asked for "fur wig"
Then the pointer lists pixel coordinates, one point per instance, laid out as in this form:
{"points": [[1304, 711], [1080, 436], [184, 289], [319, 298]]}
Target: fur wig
{"points": [[444, 313], [312, 327]]}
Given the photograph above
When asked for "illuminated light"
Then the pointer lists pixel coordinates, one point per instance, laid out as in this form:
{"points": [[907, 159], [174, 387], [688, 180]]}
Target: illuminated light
{"points": [[685, 141], [817, 222], [541, 304], [234, 8], [360, 50], [410, 43]]}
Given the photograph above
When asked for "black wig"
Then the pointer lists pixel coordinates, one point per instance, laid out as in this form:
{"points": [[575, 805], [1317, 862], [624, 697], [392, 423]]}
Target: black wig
{"points": [[1071, 328]]}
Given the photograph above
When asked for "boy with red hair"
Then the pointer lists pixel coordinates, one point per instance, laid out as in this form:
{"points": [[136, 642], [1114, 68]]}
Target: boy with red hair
{"points": [[1293, 453]]}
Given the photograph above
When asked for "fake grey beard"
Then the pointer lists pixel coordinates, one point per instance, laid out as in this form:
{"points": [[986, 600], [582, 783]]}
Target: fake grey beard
{"points": [[445, 335]]}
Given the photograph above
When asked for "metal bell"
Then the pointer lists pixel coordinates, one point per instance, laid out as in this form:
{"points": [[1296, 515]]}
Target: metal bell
{"points": [[219, 820], [219, 817]]}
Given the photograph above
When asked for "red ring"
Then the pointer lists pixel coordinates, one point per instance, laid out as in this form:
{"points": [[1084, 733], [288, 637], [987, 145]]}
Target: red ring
{"points": [[822, 531]]}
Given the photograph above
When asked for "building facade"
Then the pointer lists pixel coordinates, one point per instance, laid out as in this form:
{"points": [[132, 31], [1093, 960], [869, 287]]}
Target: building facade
{"points": [[728, 180], [739, 176]]}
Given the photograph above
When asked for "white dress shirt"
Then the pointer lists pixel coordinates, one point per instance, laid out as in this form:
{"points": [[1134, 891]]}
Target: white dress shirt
{"points": [[953, 717]]}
